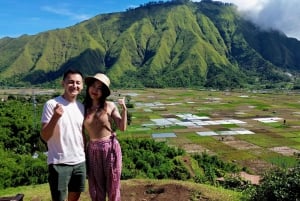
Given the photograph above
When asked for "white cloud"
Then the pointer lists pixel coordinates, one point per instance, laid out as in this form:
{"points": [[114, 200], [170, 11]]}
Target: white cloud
{"points": [[66, 12], [282, 15]]}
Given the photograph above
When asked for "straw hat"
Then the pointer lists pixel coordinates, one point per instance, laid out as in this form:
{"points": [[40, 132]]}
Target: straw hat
{"points": [[101, 77]]}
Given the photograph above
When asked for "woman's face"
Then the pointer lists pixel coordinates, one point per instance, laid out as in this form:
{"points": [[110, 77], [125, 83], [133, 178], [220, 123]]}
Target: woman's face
{"points": [[95, 90]]}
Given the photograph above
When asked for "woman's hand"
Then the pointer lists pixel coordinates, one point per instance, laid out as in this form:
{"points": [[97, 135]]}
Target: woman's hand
{"points": [[122, 103]]}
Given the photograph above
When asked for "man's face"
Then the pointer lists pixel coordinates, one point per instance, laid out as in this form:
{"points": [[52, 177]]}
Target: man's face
{"points": [[73, 84]]}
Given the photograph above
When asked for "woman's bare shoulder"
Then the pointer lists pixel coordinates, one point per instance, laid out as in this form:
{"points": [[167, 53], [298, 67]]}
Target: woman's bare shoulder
{"points": [[110, 105]]}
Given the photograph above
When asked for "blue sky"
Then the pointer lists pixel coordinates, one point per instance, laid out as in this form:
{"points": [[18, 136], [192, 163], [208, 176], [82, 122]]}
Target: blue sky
{"points": [[19, 17]]}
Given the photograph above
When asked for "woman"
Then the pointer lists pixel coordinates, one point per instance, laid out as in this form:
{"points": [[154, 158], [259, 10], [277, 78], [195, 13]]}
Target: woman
{"points": [[104, 154]]}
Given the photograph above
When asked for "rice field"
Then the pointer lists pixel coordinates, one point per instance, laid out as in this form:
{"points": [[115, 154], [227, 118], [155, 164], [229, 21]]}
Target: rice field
{"points": [[256, 129], [252, 128]]}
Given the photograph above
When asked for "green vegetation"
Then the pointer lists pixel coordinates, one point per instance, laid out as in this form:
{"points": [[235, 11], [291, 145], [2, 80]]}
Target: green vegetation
{"points": [[19, 136], [211, 193], [188, 157], [176, 43], [278, 184]]}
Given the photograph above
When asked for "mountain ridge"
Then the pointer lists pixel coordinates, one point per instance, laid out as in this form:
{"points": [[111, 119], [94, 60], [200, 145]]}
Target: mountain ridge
{"points": [[160, 44]]}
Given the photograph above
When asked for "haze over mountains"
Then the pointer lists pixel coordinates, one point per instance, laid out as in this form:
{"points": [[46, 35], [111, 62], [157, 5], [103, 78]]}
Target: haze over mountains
{"points": [[160, 44], [279, 15]]}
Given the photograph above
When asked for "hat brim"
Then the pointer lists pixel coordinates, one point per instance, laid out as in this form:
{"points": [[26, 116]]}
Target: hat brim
{"points": [[90, 79]]}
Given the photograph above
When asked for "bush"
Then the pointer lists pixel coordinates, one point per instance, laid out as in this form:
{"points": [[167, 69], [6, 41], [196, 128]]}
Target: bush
{"points": [[151, 159], [279, 184]]}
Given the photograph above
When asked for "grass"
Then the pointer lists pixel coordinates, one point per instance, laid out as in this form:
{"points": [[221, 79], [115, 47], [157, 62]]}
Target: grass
{"points": [[284, 162], [211, 144], [229, 105], [41, 192], [30, 192], [240, 155], [265, 141]]}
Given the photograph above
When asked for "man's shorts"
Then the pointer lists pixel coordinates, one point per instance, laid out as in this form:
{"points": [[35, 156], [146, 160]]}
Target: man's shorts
{"points": [[66, 178]]}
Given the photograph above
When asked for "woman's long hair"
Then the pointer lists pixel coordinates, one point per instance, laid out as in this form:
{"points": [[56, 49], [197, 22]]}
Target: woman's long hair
{"points": [[87, 102]]}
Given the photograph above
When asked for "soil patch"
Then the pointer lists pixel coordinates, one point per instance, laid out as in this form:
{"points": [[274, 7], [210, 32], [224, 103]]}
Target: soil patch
{"points": [[141, 191], [287, 151], [195, 148], [241, 145], [259, 167], [254, 179]]}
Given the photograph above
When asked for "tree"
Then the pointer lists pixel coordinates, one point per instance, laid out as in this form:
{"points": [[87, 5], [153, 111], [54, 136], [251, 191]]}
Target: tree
{"points": [[279, 184]]}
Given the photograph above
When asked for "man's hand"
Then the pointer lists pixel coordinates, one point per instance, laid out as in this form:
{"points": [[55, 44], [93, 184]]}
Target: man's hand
{"points": [[58, 110], [48, 128]]}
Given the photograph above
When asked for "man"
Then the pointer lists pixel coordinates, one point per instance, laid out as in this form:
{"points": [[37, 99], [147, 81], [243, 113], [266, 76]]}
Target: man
{"points": [[62, 120]]}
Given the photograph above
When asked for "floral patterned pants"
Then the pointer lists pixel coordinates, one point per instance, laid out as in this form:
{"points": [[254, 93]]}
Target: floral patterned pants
{"points": [[104, 169]]}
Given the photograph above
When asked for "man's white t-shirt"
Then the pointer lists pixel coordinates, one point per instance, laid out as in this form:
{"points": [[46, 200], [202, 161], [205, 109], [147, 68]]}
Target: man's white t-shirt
{"points": [[66, 146]]}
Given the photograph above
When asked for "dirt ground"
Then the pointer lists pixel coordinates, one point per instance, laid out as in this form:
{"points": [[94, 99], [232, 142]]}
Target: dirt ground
{"points": [[144, 191], [155, 192]]}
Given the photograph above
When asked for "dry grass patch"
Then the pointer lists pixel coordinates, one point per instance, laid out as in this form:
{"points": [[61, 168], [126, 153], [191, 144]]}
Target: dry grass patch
{"points": [[241, 145], [287, 151]]}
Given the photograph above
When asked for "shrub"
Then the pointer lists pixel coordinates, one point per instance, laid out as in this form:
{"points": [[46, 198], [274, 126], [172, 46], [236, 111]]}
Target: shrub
{"points": [[279, 184]]}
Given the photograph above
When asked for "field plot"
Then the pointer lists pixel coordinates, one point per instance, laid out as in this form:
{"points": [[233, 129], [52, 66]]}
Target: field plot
{"points": [[254, 129]]}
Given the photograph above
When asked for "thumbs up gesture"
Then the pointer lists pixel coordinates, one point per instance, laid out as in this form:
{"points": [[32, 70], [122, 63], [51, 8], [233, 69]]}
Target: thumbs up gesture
{"points": [[122, 102]]}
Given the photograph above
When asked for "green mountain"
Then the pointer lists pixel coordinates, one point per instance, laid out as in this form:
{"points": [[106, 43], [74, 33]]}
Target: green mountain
{"points": [[159, 44]]}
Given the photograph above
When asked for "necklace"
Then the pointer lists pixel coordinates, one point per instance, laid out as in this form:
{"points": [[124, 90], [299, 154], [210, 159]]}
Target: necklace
{"points": [[95, 108]]}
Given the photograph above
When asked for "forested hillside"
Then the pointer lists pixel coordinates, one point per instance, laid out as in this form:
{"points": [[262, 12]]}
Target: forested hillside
{"points": [[178, 43]]}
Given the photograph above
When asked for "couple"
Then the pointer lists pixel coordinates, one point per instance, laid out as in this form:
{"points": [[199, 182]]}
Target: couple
{"points": [[64, 121]]}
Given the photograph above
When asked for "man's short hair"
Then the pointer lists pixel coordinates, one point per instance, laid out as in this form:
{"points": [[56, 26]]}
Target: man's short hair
{"points": [[72, 71]]}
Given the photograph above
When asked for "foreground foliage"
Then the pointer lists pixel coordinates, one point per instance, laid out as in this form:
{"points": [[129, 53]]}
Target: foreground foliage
{"points": [[279, 184], [24, 155], [23, 160]]}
